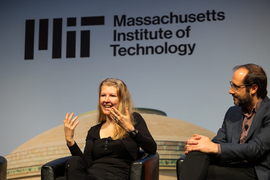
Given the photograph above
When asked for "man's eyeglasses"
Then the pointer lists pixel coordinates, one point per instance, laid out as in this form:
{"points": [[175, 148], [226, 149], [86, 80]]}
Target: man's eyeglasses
{"points": [[237, 87]]}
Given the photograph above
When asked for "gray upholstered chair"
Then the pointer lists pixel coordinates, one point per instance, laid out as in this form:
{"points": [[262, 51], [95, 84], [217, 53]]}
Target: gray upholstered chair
{"points": [[145, 168]]}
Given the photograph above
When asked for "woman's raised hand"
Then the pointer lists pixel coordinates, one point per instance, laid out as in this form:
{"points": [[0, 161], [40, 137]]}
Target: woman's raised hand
{"points": [[122, 120], [69, 127]]}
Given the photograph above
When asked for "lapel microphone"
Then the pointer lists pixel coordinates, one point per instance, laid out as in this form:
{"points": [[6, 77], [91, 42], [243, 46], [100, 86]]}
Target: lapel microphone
{"points": [[109, 139]]}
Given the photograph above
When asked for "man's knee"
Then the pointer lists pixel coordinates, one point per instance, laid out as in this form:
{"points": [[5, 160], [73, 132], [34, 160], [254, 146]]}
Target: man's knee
{"points": [[196, 155]]}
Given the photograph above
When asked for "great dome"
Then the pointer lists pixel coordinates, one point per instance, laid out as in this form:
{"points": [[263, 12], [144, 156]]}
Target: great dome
{"points": [[169, 133]]}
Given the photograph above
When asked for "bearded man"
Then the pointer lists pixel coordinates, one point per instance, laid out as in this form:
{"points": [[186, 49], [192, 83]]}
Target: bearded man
{"points": [[241, 148]]}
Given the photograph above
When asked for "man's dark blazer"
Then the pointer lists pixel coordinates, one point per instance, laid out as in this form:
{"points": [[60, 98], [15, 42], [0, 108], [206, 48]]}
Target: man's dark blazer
{"points": [[256, 149]]}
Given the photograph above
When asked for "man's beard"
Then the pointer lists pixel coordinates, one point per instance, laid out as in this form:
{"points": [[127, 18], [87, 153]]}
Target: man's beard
{"points": [[245, 101]]}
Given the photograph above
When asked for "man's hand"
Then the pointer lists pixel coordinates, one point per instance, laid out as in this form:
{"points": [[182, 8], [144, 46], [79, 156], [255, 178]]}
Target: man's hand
{"points": [[202, 144]]}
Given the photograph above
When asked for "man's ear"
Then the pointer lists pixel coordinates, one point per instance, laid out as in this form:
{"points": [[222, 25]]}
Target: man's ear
{"points": [[254, 89]]}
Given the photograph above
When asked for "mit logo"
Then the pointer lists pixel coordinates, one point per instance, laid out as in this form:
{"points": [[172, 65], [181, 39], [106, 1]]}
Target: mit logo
{"points": [[57, 36]]}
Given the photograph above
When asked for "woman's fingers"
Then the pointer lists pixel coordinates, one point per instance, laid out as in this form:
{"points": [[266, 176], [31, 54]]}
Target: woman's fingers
{"points": [[127, 112], [67, 115], [114, 115], [70, 117], [74, 119], [69, 121], [76, 123]]}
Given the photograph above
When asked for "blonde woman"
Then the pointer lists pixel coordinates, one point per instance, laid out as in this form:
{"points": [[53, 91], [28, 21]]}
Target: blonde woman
{"points": [[113, 144]]}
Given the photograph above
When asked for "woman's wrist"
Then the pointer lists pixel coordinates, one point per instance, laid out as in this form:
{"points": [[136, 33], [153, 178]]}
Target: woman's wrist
{"points": [[70, 142], [130, 128]]}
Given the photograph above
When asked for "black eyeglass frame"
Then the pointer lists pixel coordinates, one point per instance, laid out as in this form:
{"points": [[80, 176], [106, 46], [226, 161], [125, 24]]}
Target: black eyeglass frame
{"points": [[237, 87]]}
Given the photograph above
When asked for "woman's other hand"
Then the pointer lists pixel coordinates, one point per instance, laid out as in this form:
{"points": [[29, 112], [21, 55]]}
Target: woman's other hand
{"points": [[69, 127], [122, 120]]}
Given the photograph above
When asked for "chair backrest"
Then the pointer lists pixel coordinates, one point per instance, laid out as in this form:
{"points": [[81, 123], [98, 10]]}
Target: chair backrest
{"points": [[145, 168], [3, 168], [54, 169]]}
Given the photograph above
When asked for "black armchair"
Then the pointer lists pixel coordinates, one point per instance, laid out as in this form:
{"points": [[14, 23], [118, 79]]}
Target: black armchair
{"points": [[179, 165], [145, 168], [3, 168]]}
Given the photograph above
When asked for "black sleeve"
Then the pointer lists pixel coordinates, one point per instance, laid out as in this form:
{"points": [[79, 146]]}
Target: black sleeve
{"points": [[87, 155], [144, 139]]}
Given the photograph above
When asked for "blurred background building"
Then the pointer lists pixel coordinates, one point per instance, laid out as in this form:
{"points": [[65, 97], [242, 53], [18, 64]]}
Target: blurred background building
{"points": [[170, 134]]}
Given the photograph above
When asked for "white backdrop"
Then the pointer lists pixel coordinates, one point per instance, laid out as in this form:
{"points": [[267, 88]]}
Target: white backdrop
{"points": [[36, 94]]}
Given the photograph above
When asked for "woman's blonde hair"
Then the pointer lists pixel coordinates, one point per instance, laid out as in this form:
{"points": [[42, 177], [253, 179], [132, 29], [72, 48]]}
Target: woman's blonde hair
{"points": [[125, 101]]}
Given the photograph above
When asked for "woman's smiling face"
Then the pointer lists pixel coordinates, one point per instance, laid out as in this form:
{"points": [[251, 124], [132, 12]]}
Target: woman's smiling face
{"points": [[108, 99]]}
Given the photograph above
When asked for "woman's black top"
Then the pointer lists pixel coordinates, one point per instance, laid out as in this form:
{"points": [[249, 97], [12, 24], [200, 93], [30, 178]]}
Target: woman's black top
{"points": [[115, 155]]}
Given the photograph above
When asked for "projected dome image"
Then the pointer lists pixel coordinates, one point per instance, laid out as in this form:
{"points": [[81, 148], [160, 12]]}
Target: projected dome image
{"points": [[170, 134]]}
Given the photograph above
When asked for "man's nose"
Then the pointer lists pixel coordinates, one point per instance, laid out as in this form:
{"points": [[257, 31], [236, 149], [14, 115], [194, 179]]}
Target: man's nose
{"points": [[231, 91]]}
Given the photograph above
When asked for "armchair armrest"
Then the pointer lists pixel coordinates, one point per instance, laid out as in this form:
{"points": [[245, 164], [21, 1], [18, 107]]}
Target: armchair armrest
{"points": [[146, 168], [54, 169], [3, 168], [179, 165]]}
